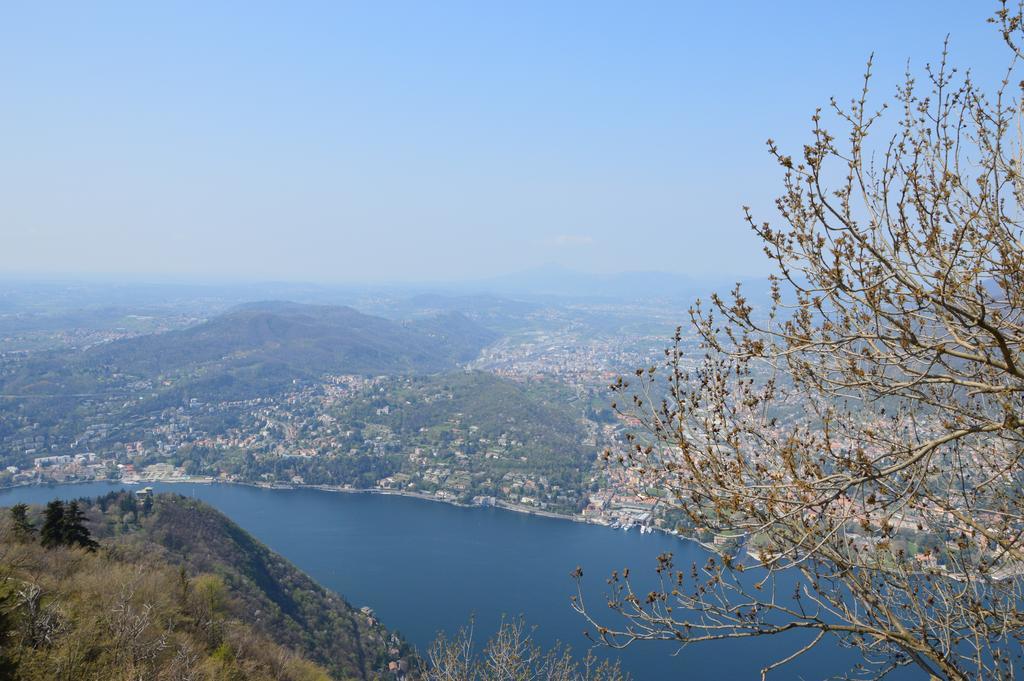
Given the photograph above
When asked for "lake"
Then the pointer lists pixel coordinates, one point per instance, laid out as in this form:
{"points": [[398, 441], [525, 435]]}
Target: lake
{"points": [[425, 566]]}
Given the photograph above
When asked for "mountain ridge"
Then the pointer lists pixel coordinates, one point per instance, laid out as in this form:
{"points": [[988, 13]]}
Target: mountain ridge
{"points": [[255, 349], [311, 339]]}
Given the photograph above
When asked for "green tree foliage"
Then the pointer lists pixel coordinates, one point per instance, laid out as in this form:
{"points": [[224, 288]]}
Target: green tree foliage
{"points": [[75, 531], [64, 525], [22, 527], [52, 533]]}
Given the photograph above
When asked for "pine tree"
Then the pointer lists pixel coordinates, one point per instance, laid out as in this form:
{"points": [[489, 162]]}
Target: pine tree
{"points": [[75, 532], [24, 530], [52, 533]]}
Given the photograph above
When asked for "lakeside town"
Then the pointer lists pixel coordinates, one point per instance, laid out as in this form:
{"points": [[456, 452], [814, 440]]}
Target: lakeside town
{"points": [[613, 505], [519, 427], [612, 499]]}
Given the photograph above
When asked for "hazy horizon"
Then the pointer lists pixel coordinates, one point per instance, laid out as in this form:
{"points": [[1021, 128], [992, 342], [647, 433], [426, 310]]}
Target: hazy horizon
{"points": [[469, 281], [402, 144]]}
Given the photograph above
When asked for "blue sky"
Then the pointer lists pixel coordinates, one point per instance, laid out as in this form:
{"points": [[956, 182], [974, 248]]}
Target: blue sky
{"points": [[423, 141]]}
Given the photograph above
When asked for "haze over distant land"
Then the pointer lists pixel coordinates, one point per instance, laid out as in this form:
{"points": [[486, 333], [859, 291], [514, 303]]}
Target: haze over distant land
{"points": [[343, 143], [48, 295]]}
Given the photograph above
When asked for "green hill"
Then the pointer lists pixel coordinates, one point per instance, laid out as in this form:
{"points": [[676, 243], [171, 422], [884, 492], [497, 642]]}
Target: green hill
{"points": [[250, 351], [178, 591], [308, 340], [478, 432]]}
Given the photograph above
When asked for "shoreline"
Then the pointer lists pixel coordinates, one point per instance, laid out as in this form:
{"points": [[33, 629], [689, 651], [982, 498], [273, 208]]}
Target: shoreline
{"points": [[203, 480]]}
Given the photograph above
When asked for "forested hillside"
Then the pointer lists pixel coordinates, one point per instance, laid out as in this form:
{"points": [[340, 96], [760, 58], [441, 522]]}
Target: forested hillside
{"points": [[463, 434], [253, 350], [177, 591], [310, 340]]}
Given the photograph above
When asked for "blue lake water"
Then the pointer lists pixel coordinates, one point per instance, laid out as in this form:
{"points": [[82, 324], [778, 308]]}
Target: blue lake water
{"points": [[426, 567]]}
